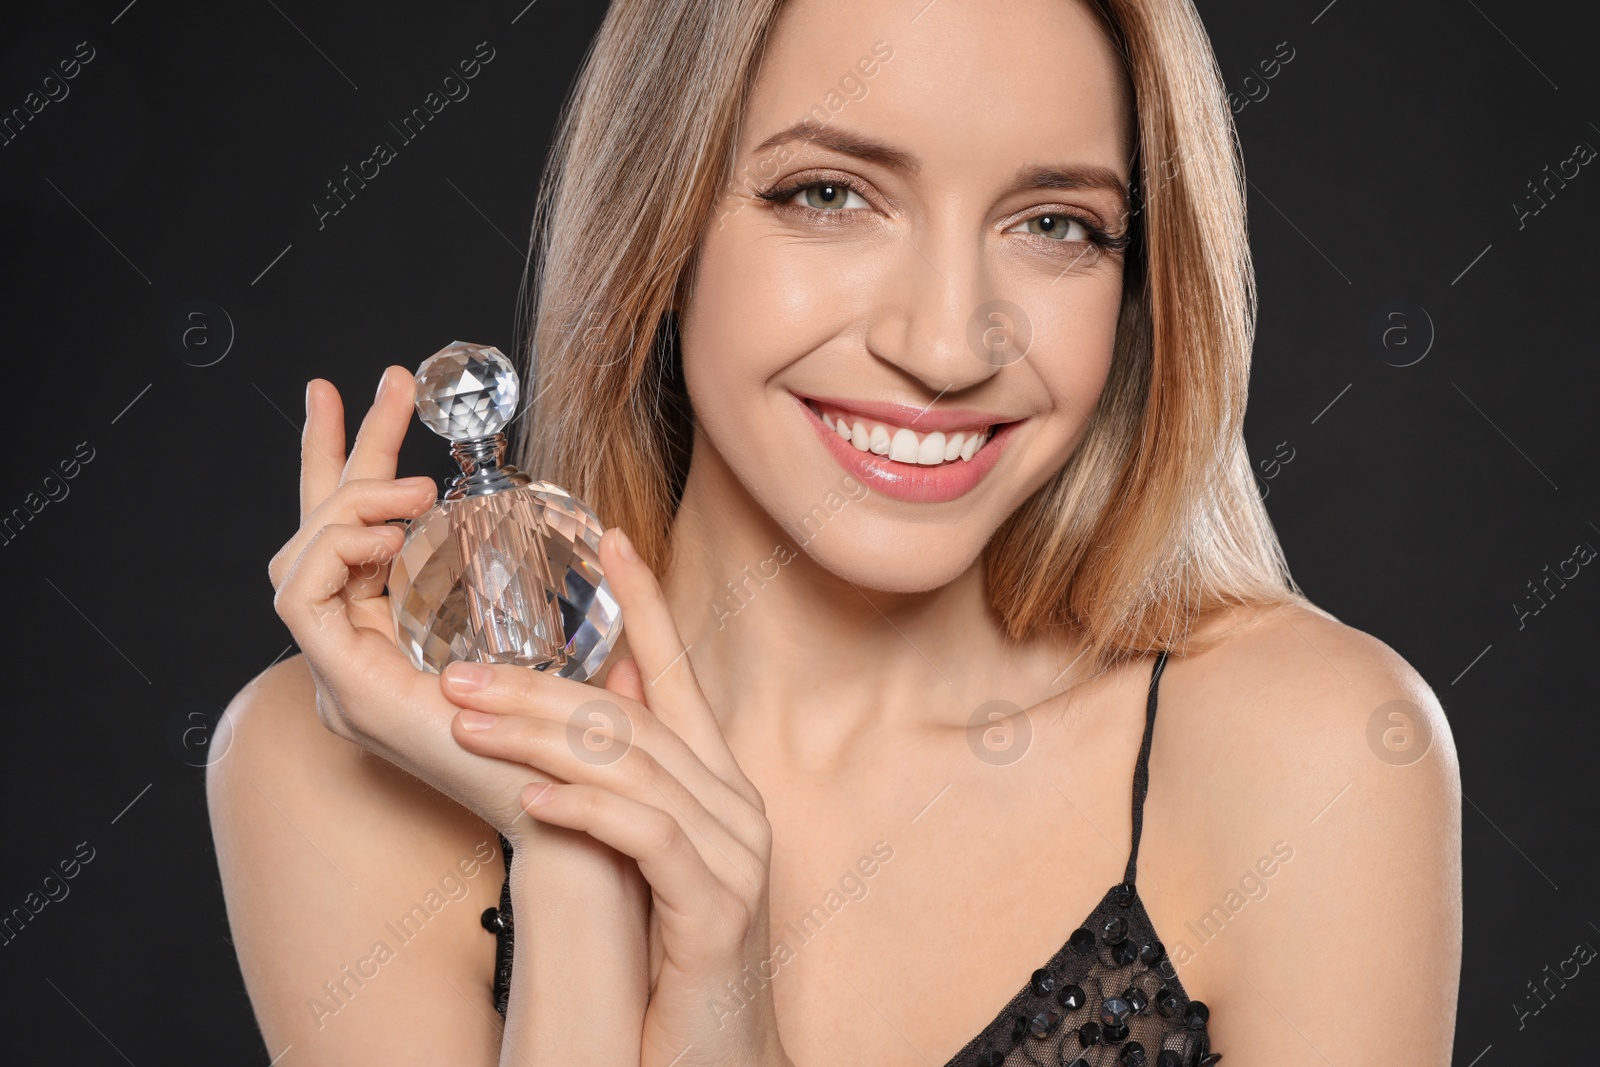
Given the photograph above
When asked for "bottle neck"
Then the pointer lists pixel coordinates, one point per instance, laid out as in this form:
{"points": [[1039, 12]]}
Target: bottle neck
{"points": [[483, 467]]}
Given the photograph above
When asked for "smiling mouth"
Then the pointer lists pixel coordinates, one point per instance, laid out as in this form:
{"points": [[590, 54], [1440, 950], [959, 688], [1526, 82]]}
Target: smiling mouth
{"points": [[901, 443]]}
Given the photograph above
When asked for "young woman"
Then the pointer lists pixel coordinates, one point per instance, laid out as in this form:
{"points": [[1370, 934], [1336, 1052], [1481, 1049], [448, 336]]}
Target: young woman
{"points": [[903, 346]]}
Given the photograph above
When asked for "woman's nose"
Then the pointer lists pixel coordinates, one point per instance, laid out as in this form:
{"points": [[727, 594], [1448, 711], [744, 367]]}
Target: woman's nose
{"points": [[938, 317]]}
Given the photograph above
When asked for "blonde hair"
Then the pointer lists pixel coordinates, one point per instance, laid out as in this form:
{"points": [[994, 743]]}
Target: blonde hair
{"points": [[1154, 526]]}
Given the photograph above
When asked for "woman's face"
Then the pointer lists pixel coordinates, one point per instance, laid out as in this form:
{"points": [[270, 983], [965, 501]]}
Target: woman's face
{"points": [[904, 311]]}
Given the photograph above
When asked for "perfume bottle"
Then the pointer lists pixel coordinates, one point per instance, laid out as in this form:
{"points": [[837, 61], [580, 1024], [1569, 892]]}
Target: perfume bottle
{"points": [[504, 568]]}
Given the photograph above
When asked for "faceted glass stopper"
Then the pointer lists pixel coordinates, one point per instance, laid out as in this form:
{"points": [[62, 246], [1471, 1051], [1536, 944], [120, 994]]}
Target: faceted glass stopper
{"points": [[466, 390]]}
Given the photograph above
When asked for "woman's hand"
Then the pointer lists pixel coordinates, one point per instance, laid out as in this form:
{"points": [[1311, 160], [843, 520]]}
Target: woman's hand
{"points": [[329, 579], [589, 932], [644, 768]]}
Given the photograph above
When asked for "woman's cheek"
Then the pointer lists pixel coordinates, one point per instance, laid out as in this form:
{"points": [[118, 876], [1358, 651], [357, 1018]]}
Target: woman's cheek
{"points": [[1075, 334], [764, 300]]}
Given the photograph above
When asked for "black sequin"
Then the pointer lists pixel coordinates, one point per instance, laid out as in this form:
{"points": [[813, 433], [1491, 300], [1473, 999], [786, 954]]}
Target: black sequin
{"points": [[1113, 1010], [504, 930]]}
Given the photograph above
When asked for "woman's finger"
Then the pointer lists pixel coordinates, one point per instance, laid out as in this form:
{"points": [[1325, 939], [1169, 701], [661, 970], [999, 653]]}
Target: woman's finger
{"points": [[678, 876], [673, 693], [376, 451], [368, 500], [321, 445], [313, 598], [588, 728], [623, 679], [624, 769], [374, 501]]}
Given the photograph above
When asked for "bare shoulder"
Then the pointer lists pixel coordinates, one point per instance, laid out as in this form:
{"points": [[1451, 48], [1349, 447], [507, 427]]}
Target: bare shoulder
{"points": [[1306, 698], [1309, 786], [353, 889], [1306, 703]]}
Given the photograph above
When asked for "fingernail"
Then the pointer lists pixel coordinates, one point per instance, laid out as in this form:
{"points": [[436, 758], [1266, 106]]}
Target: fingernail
{"points": [[383, 383], [308, 400], [417, 482], [625, 546], [535, 794], [476, 720], [464, 674]]}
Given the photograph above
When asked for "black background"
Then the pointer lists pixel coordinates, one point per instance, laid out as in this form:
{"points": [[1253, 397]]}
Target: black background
{"points": [[1385, 162]]}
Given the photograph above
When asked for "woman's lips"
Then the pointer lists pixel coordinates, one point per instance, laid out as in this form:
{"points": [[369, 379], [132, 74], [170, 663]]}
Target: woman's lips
{"points": [[912, 482]]}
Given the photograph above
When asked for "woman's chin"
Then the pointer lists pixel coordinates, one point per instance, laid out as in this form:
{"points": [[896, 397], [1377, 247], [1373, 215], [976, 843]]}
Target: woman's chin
{"points": [[915, 564]]}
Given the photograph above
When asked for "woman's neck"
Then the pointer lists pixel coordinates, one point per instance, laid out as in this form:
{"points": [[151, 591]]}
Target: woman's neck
{"points": [[795, 659]]}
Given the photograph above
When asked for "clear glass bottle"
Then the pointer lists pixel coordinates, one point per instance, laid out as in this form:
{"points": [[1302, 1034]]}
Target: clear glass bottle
{"points": [[504, 568]]}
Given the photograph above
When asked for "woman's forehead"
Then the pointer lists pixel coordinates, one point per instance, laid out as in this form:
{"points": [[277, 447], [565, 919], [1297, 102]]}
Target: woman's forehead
{"points": [[959, 80]]}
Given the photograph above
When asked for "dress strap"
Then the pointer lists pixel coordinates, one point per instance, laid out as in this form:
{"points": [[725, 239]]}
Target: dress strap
{"points": [[1141, 769]]}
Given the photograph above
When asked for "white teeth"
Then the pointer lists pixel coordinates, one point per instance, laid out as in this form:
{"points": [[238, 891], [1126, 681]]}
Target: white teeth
{"points": [[904, 445]]}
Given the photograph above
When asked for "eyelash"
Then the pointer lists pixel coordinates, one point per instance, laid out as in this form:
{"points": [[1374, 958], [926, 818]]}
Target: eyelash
{"points": [[781, 195]]}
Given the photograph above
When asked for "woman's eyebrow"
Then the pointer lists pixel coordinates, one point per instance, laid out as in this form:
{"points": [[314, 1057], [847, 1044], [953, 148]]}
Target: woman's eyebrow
{"points": [[860, 146], [845, 142], [1074, 176]]}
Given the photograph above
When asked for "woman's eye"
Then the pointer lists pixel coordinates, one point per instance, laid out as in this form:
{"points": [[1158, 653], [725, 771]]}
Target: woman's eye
{"points": [[1058, 227], [830, 196]]}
